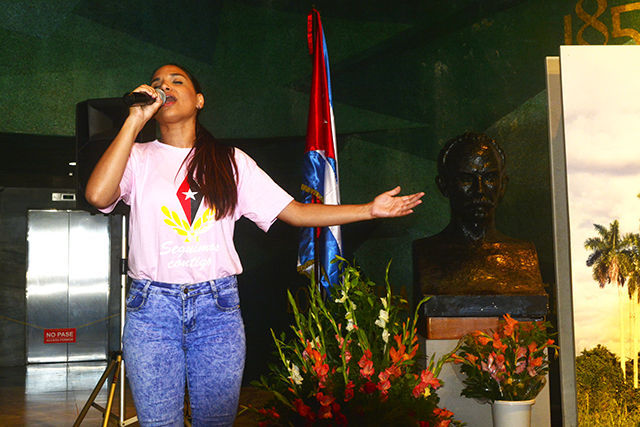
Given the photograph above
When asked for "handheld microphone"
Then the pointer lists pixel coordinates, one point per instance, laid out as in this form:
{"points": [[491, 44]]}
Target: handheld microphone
{"points": [[141, 98]]}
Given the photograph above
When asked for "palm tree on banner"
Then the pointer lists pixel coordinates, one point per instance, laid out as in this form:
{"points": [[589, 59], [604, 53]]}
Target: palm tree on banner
{"points": [[631, 267], [606, 260]]}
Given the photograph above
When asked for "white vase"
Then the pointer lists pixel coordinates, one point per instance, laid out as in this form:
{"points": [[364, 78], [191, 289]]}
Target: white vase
{"points": [[512, 413]]}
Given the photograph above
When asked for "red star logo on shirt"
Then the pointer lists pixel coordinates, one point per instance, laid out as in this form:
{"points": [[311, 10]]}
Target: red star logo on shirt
{"points": [[190, 198]]}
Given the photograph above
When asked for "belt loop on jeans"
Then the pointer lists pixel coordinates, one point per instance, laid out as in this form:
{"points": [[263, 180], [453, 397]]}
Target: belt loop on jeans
{"points": [[147, 283], [214, 288]]}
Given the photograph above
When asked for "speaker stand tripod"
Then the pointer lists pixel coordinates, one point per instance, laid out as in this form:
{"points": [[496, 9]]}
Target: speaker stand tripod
{"points": [[116, 365]]}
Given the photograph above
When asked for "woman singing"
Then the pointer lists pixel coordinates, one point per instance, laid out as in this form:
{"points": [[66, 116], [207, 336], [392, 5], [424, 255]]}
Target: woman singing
{"points": [[186, 191]]}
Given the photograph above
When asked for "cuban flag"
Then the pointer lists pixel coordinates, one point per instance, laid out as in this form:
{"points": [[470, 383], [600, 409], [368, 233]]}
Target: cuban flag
{"points": [[319, 246]]}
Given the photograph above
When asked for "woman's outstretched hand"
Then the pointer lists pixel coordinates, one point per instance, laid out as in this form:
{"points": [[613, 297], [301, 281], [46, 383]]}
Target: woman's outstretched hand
{"points": [[386, 205], [389, 204]]}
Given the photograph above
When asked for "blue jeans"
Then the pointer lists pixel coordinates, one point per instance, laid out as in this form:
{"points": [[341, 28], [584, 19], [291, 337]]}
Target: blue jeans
{"points": [[176, 333]]}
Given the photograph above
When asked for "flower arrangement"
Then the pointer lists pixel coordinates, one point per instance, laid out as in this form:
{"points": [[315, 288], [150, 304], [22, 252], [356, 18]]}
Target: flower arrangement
{"points": [[352, 360], [507, 364]]}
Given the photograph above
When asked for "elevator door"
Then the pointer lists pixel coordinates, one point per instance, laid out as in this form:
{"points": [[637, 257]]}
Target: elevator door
{"points": [[68, 268]]}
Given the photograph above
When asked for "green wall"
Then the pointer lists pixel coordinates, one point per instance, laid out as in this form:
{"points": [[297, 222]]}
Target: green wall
{"points": [[406, 77]]}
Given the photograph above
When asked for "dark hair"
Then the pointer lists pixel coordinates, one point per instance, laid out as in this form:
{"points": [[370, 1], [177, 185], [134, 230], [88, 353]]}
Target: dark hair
{"points": [[212, 165], [468, 138]]}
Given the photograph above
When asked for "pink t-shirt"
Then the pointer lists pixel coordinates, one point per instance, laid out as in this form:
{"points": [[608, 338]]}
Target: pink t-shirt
{"points": [[173, 234]]}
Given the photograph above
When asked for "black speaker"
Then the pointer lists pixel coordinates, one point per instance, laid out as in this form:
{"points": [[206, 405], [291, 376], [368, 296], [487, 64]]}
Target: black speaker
{"points": [[98, 121]]}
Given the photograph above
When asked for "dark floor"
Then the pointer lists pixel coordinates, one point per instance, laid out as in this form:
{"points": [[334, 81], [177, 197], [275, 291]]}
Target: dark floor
{"points": [[54, 394]]}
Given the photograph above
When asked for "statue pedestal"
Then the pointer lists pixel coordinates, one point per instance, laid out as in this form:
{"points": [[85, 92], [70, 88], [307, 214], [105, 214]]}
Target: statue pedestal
{"points": [[465, 409], [452, 328], [529, 307]]}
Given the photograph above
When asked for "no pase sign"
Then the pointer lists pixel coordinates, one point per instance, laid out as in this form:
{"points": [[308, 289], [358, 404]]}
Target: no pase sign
{"points": [[65, 335]]}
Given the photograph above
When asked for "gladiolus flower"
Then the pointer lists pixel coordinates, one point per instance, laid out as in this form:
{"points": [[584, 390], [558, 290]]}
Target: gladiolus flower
{"points": [[295, 374], [483, 340], [429, 379], [350, 326], [367, 369], [366, 365], [383, 318], [533, 364], [497, 343], [348, 391], [418, 390], [471, 358], [324, 399], [325, 412], [368, 387], [400, 355], [270, 412], [302, 409], [442, 413], [384, 384], [321, 369], [393, 371], [385, 336], [509, 326], [457, 359]]}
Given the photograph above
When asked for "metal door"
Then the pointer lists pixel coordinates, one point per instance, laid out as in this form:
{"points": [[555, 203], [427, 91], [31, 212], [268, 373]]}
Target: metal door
{"points": [[68, 269]]}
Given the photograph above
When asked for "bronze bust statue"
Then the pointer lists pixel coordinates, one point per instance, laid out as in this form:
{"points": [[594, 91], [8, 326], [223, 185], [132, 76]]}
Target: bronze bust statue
{"points": [[471, 257]]}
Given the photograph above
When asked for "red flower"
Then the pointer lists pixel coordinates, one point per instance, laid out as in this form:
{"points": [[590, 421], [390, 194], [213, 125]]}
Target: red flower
{"points": [[325, 412], [384, 384], [321, 369], [483, 340], [533, 364], [368, 387], [348, 391], [497, 343], [429, 379], [400, 355], [340, 341], [324, 399], [393, 371], [521, 360], [509, 325], [471, 358], [457, 359], [442, 413], [366, 364], [302, 409], [269, 412], [418, 390]]}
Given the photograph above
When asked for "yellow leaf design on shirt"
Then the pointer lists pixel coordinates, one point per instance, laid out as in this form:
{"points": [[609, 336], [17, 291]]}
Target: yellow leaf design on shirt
{"points": [[176, 218], [183, 228]]}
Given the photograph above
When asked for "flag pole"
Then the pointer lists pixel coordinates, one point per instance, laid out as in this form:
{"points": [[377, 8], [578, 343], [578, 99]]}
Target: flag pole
{"points": [[316, 230], [320, 245]]}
